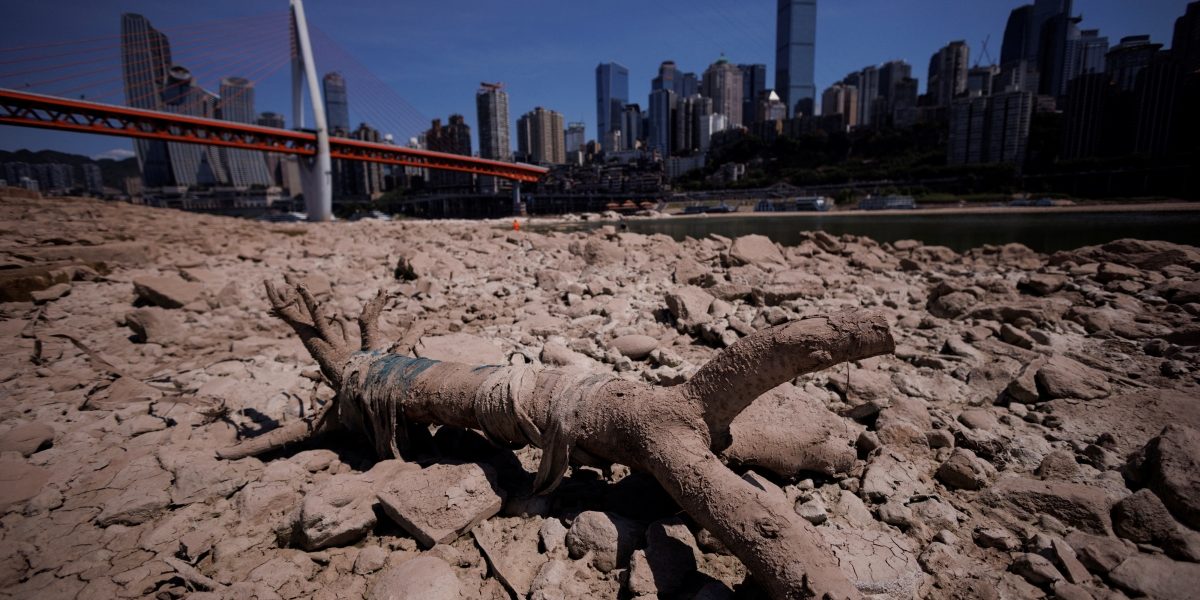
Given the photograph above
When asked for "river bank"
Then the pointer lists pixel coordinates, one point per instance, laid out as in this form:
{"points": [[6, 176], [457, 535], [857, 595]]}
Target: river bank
{"points": [[1016, 444]]}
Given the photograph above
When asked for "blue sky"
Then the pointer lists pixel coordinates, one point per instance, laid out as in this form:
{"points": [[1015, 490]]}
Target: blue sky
{"points": [[435, 54]]}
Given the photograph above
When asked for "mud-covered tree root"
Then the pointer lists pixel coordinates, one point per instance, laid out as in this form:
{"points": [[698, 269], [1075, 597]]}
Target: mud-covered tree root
{"points": [[672, 433]]}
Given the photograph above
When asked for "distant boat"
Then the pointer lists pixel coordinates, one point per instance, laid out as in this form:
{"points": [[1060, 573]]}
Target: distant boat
{"points": [[887, 203]]}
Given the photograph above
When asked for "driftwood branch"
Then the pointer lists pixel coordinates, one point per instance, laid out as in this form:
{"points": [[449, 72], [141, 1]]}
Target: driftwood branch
{"points": [[672, 433]]}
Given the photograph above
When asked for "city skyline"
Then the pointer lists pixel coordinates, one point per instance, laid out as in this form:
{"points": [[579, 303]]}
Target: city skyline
{"points": [[694, 55]]}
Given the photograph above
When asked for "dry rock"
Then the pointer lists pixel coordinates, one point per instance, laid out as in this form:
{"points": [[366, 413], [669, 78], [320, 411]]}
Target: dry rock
{"points": [[460, 347], [1082, 506], [755, 250], [1169, 464], [1062, 377], [609, 538], [636, 347], [167, 292], [27, 438], [511, 548], [1157, 577], [337, 513], [442, 501], [423, 578]]}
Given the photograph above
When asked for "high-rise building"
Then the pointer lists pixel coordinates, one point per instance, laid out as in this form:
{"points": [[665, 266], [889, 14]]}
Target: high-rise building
{"points": [[754, 83], [662, 118], [891, 74], [271, 119], [708, 126], [723, 83], [795, 54], [452, 138], [1009, 116], [574, 137], [612, 94], [1155, 112], [868, 92], [1085, 54], [690, 85], [1084, 115], [948, 73], [688, 114], [841, 99], [669, 77], [1125, 60], [337, 105], [245, 167], [145, 60], [192, 164], [360, 179], [988, 129], [981, 80], [771, 109], [1055, 27], [967, 142], [93, 178], [1033, 56], [1020, 40], [902, 103], [491, 106], [631, 126], [540, 137]]}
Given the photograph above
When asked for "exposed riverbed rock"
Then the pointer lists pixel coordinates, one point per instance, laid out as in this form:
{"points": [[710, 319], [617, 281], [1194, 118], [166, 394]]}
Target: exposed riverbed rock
{"points": [[1036, 406]]}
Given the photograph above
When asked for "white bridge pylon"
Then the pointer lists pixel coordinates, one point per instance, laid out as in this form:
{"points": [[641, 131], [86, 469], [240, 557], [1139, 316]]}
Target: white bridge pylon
{"points": [[316, 173]]}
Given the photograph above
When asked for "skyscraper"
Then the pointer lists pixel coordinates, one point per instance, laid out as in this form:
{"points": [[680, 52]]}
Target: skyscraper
{"points": [[669, 77], [491, 106], [771, 109], [868, 92], [841, 99], [454, 138], [612, 94], [192, 164], [337, 106], [662, 116], [271, 119], [795, 54], [244, 167], [723, 83], [754, 83], [1085, 54], [574, 139], [540, 137], [1033, 56], [948, 73], [988, 129], [981, 80], [1125, 60], [631, 126], [145, 60], [689, 113]]}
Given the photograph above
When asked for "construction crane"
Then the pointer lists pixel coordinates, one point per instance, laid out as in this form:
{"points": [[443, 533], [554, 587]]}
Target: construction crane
{"points": [[984, 52]]}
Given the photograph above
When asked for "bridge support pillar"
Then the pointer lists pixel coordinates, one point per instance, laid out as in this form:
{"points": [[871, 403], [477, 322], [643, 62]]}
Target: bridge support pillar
{"points": [[516, 198], [316, 173]]}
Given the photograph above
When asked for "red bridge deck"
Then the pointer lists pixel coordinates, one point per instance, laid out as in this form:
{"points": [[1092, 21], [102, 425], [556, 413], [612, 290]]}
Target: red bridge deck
{"points": [[48, 112]]}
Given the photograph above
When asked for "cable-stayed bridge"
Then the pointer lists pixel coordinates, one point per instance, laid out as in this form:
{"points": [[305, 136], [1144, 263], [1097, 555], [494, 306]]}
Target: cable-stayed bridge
{"points": [[130, 85]]}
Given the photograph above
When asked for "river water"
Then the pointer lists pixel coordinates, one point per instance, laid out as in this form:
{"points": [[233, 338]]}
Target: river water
{"points": [[1043, 232]]}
